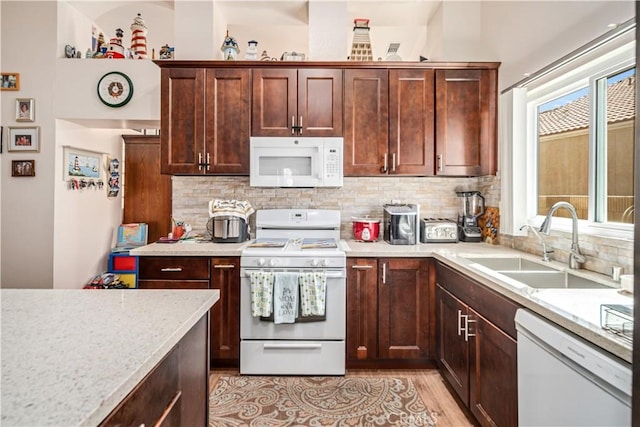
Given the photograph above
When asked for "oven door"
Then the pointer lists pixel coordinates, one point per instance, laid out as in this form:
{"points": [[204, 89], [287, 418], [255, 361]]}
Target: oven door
{"points": [[331, 327]]}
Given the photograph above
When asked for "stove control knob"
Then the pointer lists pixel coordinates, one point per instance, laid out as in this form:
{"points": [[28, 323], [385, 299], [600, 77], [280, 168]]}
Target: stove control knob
{"points": [[261, 262], [315, 263], [273, 262]]}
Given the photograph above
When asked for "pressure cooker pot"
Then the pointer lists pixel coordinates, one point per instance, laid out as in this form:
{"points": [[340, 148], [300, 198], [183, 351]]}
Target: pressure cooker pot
{"points": [[366, 229]]}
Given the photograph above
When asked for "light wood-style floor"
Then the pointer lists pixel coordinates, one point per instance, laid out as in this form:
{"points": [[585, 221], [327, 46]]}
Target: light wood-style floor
{"points": [[443, 408]]}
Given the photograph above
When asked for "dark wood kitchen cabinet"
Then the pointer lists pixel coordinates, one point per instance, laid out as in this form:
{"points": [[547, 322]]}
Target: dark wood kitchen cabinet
{"points": [[388, 312], [466, 122], [476, 347], [225, 315], [389, 121], [169, 272], [206, 120], [147, 195], [175, 392], [297, 102]]}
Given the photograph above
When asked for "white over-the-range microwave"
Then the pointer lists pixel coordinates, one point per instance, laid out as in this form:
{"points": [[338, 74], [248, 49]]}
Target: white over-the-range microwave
{"points": [[296, 162]]}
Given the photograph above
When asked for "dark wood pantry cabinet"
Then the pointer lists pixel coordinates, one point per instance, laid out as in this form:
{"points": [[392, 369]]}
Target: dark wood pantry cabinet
{"points": [[205, 120], [147, 194], [476, 347], [388, 312], [297, 102]]}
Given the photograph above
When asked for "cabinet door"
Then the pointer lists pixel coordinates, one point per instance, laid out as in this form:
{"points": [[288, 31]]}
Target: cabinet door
{"points": [[466, 109], [362, 309], [319, 102], [182, 118], [366, 121], [493, 374], [228, 120], [274, 102], [451, 348], [225, 315], [403, 308], [411, 126], [148, 194]]}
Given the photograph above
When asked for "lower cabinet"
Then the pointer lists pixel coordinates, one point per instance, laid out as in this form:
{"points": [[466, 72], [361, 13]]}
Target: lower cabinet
{"points": [[476, 347], [388, 312], [175, 392], [225, 315], [188, 272]]}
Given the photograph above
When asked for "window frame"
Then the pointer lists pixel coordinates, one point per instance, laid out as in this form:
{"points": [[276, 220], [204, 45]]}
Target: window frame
{"points": [[569, 80]]}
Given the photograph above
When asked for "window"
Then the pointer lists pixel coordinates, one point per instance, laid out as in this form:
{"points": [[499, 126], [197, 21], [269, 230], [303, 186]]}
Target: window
{"points": [[582, 132]]}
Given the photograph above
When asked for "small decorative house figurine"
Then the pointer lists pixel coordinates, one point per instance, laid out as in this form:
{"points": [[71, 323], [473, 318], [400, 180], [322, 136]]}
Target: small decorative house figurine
{"points": [[252, 51], [139, 38], [230, 48], [166, 52]]}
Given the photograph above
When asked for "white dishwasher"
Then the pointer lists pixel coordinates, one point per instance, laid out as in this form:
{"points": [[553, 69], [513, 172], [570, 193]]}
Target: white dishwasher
{"points": [[564, 381]]}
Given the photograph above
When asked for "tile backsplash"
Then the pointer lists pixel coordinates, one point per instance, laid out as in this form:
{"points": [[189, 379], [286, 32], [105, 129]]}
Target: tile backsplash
{"points": [[366, 195], [358, 196]]}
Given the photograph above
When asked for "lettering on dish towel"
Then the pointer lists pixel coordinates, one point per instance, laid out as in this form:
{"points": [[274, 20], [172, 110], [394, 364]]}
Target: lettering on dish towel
{"points": [[313, 287], [261, 293], [285, 297]]}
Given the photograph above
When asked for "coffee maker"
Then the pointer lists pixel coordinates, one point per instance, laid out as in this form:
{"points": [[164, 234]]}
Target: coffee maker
{"points": [[470, 209]]}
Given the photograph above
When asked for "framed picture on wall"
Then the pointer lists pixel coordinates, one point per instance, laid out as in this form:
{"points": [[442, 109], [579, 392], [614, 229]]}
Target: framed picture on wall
{"points": [[25, 109], [24, 139], [23, 168], [9, 81], [83, 164]]}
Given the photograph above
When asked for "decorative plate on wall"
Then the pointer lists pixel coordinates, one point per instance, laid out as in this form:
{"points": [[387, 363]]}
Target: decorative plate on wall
{"points": [[115, 89]]}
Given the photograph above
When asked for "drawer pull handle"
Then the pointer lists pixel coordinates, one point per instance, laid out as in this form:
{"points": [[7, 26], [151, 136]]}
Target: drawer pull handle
{"points": [[362, 267], [171, 269], [224, 266], [168, 409]]}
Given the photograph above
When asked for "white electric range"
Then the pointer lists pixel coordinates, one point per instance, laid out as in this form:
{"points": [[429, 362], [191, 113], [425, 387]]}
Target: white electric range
{"points": [[298, 242]]}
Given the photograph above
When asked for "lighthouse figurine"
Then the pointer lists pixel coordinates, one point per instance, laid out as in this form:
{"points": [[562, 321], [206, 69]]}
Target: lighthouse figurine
{"points": [[115, 50], [139, 38]]}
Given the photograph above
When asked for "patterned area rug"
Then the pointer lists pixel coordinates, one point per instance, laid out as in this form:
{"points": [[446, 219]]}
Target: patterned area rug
{"points": [[316, 401]]}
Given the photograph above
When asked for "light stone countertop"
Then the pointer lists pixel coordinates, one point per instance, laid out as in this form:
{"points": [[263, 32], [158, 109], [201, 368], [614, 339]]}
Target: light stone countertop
{"points": [[190, 248], [70, 356], [577, 310]]}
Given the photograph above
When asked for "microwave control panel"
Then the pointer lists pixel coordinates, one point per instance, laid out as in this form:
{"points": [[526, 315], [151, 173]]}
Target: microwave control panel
{"points": [[333, 161]]}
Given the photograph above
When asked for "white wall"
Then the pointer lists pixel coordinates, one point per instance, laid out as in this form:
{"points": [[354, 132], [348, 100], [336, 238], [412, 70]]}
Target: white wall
{"points": [[28, 203], [84, 220], [528, 35]]}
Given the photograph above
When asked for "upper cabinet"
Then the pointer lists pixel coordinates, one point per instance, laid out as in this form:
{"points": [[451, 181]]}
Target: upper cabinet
{"points": [[205, 120], [420, 121], [388, 122], [466, 110], [297, 102], [404, 119]]}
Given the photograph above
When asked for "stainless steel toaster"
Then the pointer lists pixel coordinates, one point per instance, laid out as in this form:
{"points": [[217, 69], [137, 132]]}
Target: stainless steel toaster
{"points": [[438, 230]]}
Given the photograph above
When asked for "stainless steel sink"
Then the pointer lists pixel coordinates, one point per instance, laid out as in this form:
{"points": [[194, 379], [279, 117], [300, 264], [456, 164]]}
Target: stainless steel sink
{"points": [[511, 264], [553, 280]]}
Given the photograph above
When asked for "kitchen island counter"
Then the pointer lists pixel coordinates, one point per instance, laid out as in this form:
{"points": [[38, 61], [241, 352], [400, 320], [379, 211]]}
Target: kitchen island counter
{"points": [[69, 357]]}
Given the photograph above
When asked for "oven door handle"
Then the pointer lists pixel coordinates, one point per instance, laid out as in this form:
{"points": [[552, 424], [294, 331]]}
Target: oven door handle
{"points": [[292, 346]]}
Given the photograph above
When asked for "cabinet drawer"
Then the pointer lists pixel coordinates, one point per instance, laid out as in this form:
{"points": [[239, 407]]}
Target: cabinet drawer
{"points": [[156, 400], [174, 268], [173, 284]]}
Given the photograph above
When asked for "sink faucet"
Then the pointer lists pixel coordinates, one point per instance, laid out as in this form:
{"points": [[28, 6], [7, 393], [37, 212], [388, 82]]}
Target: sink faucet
{"points": [[545, 252], [575, 257]]}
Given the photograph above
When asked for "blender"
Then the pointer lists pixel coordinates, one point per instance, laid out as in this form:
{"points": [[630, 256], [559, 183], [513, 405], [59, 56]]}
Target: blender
{"points": [[470, 209]]}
